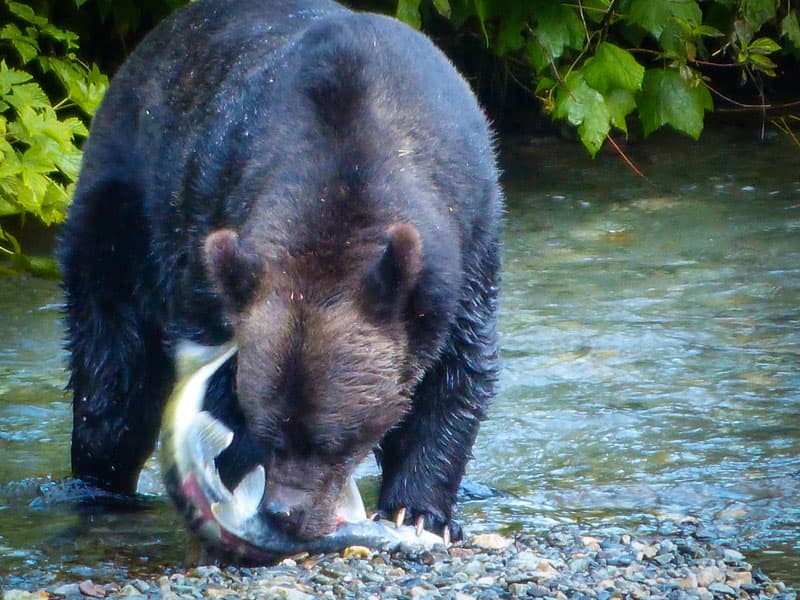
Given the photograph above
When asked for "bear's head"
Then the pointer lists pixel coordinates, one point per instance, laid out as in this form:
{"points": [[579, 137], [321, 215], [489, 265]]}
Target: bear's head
{"points": [[324, 367]]}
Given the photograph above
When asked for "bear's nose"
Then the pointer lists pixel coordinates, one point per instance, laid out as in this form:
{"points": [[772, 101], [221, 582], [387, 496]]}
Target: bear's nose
{"points": [[284, 517]]}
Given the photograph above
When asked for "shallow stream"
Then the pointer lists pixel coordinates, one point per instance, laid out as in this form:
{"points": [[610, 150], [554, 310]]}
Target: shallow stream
{"points": [[651, 344]]}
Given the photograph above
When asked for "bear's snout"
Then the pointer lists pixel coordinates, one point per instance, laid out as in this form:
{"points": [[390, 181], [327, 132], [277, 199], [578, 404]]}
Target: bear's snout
{"points": [[285, 515], [299, 511]]}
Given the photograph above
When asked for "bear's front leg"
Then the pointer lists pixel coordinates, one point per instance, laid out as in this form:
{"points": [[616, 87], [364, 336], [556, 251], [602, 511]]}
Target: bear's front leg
{"points": [[120, 372], [423, 461]]}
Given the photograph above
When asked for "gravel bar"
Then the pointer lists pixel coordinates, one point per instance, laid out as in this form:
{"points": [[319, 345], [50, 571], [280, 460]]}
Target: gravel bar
{"points": [[566, 561]]}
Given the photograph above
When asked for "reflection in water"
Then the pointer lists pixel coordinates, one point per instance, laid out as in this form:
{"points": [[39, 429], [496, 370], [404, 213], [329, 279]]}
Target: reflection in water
{"points": [[651, 336]]}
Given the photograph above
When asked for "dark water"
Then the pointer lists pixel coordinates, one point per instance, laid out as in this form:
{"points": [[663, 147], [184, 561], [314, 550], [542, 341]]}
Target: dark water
{"points": [[651, 344]]}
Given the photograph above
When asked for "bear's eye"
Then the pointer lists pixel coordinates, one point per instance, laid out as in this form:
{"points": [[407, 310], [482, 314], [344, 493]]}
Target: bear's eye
{"points": [[331, 300], [337, 451]]}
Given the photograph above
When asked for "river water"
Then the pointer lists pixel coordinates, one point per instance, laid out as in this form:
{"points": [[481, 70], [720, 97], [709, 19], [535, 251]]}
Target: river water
{"points": [[651, 341]]}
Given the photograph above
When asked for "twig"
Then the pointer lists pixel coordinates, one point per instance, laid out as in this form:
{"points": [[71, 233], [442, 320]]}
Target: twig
{"points": [[626, 158]]}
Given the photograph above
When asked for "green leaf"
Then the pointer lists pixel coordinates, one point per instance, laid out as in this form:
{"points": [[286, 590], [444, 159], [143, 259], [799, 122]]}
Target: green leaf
{"points": [[10, 240], [790, 29], [69, 162], [763, 64], [442, 7], [26, 13], [460, 12], [595, 10], [41, 266], [612, 67], [668, 99], [34, 186], [11, 77], [653, 15], [620, 104], [482, 11], [45, 127], [763, 45], [8, 208], [544, 83], [509, 31], [84, 88], [537, 57], [557, 28], [26, 46], [36, 160], [75, 126], [708, 31], [758, 12], [408, 12], [54, 204], [584, 107], [27, 95], [68, 38]]}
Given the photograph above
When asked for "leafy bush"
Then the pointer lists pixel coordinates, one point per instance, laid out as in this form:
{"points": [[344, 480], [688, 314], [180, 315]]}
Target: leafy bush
{"points": [[596, 62], [47, 96], [591, 63]]}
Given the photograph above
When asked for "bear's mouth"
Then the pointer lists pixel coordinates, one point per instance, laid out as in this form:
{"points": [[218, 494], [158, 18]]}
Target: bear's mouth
{"points": [[229, 520]]}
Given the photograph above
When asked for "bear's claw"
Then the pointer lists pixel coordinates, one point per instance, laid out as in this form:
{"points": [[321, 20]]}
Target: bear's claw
{"points": [[403, 513], [420, 524], [400, 517]]}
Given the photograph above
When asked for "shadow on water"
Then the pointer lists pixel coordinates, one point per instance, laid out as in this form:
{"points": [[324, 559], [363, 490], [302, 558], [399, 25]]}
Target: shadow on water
{"points": [[651, 336]]}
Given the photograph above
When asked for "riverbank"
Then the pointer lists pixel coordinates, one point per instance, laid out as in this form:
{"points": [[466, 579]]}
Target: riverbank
{"points": [[566, 562]]}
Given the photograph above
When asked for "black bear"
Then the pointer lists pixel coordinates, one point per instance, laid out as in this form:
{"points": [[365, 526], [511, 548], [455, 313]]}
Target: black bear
{"points": [[320, 186]]}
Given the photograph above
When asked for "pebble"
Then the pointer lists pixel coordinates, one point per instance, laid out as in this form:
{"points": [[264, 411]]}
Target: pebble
{"points": [[92, 590], [356, 552], [491, 541], [563, 562], [708, 575], [68, 589], [732, 556], [721, 588]]}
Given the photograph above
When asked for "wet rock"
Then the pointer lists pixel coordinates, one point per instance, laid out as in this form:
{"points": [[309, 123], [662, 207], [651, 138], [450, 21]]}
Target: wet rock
{"points": [[645, 550], [721, 588], [356, 552], [130, 592], [617, 560], [491, 541], [732, 556], [577, 565], [592, 543], [24, 595], [738, 579], [93, 590], [689, 582], [565, 561], [68, 589], [664, 559], [708, 575]]}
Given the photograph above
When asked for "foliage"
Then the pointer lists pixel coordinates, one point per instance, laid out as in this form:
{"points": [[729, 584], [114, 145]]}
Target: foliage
{"points": [[47, 96], [597, 62]]}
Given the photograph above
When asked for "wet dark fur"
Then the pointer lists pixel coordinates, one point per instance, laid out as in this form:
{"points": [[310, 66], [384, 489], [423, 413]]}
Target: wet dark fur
{"points": [[320, 184]]}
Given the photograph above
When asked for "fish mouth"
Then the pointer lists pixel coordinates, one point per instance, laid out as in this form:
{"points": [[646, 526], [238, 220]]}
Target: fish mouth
{"points": [[229, 520]]}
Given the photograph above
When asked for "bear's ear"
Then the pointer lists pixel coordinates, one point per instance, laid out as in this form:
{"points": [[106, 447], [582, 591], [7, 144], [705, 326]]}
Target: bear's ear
{"points": [[389, 281], [235, 272]]}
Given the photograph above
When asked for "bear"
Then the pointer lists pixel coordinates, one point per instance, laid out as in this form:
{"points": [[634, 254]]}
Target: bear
{"points": [[319, 185]]}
